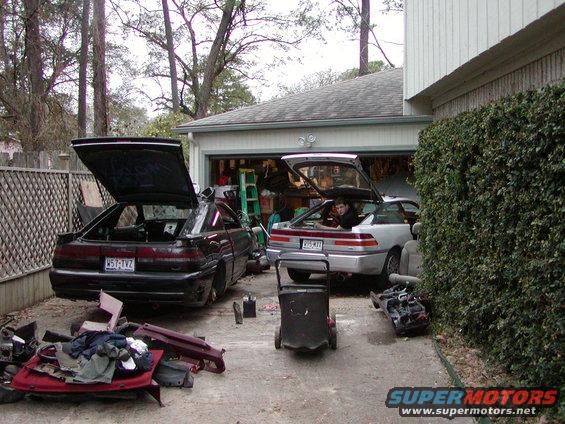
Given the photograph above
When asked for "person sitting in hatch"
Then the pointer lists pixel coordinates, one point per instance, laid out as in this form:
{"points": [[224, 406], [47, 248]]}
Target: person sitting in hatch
{"points": [[346, 216]]}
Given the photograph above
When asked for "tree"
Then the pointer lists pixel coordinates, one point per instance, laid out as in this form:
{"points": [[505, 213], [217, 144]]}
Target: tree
{"points": [[359, 22], [162, 126], [99, 68], [171, 56], [214, 36], [35, 73], [83, 66], [364, 25], [328, 77], [37, 64]]}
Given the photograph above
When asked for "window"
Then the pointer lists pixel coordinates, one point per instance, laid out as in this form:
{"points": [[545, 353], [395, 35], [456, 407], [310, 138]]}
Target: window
{"points": [[388, 213], [128, 217], [411, 208], [154, 212], [229, 219]]}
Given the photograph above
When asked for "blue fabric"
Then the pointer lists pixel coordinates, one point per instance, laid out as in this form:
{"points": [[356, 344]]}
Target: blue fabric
{"points": [[273, 219], [87, 342]]}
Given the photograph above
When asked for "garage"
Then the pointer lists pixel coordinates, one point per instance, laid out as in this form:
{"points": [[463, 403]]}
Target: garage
{"points": [[362, 116]]}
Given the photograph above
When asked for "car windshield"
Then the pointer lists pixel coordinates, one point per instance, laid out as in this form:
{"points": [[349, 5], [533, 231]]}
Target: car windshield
{"points": [[152, 212], [329, 177]]}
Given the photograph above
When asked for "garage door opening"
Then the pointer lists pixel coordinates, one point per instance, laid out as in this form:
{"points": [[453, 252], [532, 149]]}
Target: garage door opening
{"points": [[279, 191]]}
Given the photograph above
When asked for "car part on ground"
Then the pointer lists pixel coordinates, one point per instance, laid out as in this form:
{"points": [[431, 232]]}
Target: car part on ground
{"points": [[187, 348], [17, 346], [405, 310], [306, 323], [237, 313], [30, 382], [410, 266]]}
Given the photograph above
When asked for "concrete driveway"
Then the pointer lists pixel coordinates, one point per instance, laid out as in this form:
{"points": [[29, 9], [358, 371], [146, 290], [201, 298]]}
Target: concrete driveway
{"points": [[261, 384]]}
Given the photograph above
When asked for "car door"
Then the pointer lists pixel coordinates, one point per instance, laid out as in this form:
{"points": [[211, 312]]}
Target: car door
{"points": [[411, 211], [240, 240], [392, 229]]}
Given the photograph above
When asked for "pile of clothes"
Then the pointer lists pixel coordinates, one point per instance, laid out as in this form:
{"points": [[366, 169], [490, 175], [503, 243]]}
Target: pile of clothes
{"points": [[94, 357]]}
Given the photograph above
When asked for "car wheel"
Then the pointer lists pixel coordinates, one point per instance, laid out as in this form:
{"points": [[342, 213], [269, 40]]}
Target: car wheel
{"points": [[277, 338], [219, 283], [333, 333], [298, 276], [391, 265]]}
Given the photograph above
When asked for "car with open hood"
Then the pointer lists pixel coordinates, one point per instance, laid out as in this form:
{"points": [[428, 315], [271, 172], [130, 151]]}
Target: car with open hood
{"points": [[160, 242], [372, 247]]}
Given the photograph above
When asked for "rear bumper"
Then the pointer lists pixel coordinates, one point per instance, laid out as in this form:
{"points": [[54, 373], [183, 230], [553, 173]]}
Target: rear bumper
{"points": [[189, 289], [367, 263]]}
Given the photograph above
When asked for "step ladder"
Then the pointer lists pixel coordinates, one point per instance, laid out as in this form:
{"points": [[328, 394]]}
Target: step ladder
{"points": [[250, 198]]}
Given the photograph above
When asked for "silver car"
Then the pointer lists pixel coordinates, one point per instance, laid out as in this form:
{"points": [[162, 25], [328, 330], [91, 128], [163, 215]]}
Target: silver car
{"points": [[372, 247]]}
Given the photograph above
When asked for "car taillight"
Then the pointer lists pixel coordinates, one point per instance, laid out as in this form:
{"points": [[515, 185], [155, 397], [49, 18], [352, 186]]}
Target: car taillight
{"points": [[358, 243], [170, 253], [279, 239], [76, 256], [77, 252], [322, 234]]}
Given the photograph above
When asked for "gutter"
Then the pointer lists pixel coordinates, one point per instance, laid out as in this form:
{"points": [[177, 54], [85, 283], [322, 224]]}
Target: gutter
{"points": [[387, 120]]}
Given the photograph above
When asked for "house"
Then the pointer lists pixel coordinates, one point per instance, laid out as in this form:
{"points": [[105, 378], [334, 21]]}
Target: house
{"points": [[363, 116], [461, 54]]}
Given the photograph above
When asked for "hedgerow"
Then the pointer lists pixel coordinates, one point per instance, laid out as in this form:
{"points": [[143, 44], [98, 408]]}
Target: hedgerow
{"points": [[491, 183]]}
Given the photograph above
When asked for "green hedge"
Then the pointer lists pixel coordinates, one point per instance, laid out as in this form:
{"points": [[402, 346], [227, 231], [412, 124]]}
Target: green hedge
{"points": [[491, 183]]}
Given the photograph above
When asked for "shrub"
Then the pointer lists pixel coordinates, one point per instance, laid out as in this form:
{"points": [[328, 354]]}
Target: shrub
{"points": [[491, 183]]}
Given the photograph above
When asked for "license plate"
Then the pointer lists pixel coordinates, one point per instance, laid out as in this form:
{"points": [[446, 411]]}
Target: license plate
{"points": [[119, 264], [312, 244]]}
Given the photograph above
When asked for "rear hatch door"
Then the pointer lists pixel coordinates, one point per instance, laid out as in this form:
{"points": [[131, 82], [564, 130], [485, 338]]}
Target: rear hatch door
{"points": [[138, 169], [334, 175]]}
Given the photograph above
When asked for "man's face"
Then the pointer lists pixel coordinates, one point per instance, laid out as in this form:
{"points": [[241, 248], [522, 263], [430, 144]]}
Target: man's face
{"points": [[341, 209]]}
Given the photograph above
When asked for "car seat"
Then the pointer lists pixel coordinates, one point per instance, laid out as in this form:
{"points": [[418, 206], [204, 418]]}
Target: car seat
{"points": [[410, 261]]}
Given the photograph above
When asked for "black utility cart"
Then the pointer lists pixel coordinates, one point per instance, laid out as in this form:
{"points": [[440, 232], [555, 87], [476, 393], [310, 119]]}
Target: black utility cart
{"points": [[306, 324]]}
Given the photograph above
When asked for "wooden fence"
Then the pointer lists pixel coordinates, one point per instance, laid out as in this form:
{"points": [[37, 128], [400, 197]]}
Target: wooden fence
{"points": [[35, 205]]}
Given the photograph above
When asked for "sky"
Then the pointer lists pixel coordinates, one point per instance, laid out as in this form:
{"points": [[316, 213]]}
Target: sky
{"points": [[338, 52]]}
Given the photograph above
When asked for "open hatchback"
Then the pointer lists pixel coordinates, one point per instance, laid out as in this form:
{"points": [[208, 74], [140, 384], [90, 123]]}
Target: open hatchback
{"points": [[372, 247], [159, 242]]}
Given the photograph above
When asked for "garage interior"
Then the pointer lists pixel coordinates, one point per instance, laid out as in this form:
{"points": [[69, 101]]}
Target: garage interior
{"points": [[279, 191]]}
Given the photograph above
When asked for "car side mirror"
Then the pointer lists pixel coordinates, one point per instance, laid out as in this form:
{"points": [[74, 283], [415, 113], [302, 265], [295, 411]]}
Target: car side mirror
{"points": [[208, 194]]}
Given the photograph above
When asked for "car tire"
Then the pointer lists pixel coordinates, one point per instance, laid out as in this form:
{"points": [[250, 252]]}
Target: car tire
{"points": [[219, 282], [333, 334], [298, 276], [278, 339], [391, 266]]}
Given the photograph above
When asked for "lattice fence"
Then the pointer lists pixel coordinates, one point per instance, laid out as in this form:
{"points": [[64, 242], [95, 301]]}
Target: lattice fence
{"points": [[34, 208]]}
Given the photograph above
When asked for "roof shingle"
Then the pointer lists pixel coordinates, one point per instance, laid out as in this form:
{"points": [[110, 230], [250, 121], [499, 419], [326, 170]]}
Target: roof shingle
{"points": [[374, 95]]}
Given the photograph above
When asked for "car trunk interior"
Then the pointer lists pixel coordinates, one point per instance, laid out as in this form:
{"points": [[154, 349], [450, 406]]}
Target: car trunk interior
{"points": [[141, 223]]}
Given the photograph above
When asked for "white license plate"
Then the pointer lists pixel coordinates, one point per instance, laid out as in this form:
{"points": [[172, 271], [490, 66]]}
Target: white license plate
{"points": [[312, 244], [119, 264]]}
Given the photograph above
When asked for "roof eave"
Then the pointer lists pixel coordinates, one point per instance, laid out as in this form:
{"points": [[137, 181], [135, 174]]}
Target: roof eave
{"points": [[379, 120]]}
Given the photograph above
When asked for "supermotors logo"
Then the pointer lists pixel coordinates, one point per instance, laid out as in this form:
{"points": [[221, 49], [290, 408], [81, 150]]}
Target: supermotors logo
{"points": [[456, 402]]}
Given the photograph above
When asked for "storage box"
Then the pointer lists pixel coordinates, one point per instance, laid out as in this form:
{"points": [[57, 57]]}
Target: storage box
{"points": [[266, 204], [219, 190]]}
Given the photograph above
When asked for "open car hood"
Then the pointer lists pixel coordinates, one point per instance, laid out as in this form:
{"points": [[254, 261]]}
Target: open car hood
{"points": [[138, 169], [334, 175]]}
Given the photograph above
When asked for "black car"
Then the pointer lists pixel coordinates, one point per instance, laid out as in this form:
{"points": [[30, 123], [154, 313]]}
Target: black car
{"points": [[160, 243]]}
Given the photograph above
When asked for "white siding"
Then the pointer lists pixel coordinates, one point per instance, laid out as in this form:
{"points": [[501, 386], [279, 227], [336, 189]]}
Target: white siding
{"points": [[442, 35], [387, 138]]}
